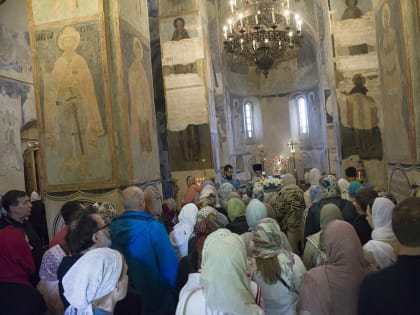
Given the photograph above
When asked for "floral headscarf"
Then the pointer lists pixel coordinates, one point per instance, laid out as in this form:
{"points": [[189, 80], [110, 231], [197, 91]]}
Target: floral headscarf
{"points": [[268, 240], [329, 187]]}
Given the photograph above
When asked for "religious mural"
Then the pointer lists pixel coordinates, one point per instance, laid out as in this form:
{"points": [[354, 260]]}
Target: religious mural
{"points": [[395, 81], [135, 12], [140, 106], [46, 11], [15, 56], [12, 97], [171, 7], [72, 101], [190, 148], [354, 12], [359, 123]]}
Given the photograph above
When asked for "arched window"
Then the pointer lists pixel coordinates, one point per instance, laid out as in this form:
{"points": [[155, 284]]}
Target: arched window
{"points": [[249, 120], [303, 116]]}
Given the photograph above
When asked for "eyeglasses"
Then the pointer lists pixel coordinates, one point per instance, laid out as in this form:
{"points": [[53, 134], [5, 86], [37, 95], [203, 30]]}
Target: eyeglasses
{"points": [[102, 228]]}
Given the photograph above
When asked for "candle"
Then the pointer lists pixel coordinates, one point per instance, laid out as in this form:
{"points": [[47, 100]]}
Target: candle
{"points": [[225, 31], [241, 16], [231, 5], [242, 43], [273, 16], [287, 15], [256, 19], [254, 44], [230, 25]]}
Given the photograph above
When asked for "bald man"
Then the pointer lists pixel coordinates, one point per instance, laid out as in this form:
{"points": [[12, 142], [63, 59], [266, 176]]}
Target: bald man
{"points": [[151, 259]]}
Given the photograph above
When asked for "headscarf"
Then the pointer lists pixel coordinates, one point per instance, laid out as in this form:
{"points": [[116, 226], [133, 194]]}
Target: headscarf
{"points": [[329, 212], [223, 193], [354, 188], [314, 176], [235, 208], [258, 192], [343, 185], [207, 196], [50, 262], [382, 220], [379, 253], [329, 187], [35, 196], [255, 211], [226, 287], [16, 262], [205, 225], [207, 211], [288, 179], [93, 276], [183, 230], [334, 287], [268, 240]]}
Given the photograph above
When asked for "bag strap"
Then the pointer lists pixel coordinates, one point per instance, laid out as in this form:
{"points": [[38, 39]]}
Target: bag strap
{"points": [[287, 285]]}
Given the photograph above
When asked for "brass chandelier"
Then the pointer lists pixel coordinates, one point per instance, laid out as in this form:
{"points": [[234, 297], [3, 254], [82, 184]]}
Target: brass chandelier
{"points": [[261, 32]]}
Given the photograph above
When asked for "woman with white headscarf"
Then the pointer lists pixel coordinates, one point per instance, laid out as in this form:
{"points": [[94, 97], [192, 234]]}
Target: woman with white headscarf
{"points": [[343, 186], [96, 282], [381, 251], [312, 195], [278, 271], [255, 211], [223, 286], [183, 231]]}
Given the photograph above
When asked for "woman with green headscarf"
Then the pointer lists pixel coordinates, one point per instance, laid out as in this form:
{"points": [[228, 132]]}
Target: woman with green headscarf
{"points": [[313, 255], [237, 217]]}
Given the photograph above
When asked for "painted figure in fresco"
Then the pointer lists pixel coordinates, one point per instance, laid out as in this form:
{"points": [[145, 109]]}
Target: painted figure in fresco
{"points": [[360, 130], [353, 12], [180, 32], [140, 100], [392, 85], [71, 114], [189, 141]]}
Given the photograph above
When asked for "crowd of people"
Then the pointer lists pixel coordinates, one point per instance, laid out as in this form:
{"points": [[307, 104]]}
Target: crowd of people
{"points": [[331, 247]]}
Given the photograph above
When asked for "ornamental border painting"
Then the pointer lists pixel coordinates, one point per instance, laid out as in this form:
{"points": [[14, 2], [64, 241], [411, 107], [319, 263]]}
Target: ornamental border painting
{"points": [[74, 107], [174, 7], [399, 138]]}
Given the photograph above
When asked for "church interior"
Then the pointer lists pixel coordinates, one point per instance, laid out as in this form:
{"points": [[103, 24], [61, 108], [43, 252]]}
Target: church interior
{"points": [[99, 95]]}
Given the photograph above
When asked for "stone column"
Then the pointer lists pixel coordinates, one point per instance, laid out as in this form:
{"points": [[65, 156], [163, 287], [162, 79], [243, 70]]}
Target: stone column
{"points": [[188, 85]]}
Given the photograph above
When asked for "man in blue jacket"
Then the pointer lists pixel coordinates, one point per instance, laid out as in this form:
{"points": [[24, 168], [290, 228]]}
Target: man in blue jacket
{"points": [[152, 262]]}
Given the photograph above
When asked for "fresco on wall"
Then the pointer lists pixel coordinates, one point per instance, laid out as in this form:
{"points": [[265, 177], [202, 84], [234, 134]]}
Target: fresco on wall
{"points": [[140, 107], [399, 138], [135, 12], [354, 12], [73, 106], [182, 48], [359, 123], [238, 126], [190, 149], [12, 94], [170, 7], [15, 54], [46, 11]]}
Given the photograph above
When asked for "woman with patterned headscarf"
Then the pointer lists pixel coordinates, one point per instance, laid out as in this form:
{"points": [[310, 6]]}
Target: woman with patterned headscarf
{"points": [[279, 272], [223, 286], [329, 194]]}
